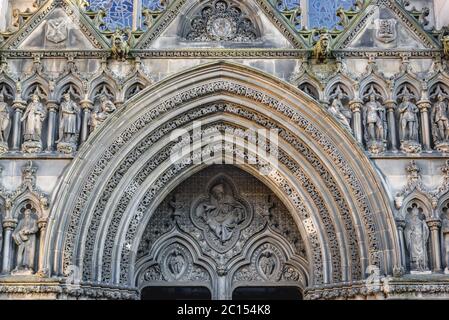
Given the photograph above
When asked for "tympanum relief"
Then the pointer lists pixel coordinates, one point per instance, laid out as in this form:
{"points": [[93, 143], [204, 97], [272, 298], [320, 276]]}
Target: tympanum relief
{"points": [[222, 216]]}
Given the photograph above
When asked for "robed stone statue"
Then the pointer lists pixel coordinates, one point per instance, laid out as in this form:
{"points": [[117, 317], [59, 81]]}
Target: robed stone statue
{"points": [[33, 119], [416, 237], [25, 236], [69, 125]]}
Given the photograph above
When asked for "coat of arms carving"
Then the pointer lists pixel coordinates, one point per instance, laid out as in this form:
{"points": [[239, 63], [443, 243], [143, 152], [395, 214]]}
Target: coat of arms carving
{"points": [[386, 31], [57, 30]]}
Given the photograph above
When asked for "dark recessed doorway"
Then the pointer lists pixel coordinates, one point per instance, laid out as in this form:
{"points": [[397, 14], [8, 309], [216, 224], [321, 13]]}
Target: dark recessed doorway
{"points": [[267, 293], [176, 293]]}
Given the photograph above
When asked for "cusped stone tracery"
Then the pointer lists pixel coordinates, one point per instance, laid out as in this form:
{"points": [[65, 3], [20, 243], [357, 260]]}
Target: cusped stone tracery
{"points": [[221, 21]]}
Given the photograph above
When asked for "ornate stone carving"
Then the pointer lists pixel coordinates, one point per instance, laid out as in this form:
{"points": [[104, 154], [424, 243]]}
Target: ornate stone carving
{"points": [[386, 31], [338, 110], [120, 46], [269, 262], [33, 119], [440, 121], [322, 49], [375, 121], [416, 237], [25, 237], [5, 124], [69, 125], [104, 109], [57, 30], [409, 123], [175, 263], [222, 22], [221, 216], [445, 43]]}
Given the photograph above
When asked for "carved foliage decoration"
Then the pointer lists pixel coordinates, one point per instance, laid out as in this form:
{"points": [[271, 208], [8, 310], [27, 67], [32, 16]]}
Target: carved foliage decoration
{"points": [[222, 21]]}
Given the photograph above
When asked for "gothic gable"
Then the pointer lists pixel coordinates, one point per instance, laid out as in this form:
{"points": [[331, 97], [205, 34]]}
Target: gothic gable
{"points": [[383, 25], [57, 25], [220, 24]]}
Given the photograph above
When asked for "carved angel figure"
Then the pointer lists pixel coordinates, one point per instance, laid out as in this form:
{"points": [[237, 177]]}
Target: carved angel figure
{"points": [[416, 237]]}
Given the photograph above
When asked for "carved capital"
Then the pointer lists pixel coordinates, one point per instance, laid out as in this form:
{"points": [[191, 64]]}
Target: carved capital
{"points": [[86, 105], [52, 106], [42, 223], [356, 105], [10, 224], [390, 105], [434, 224], [400, 223], [19, 105], [424, 105]]}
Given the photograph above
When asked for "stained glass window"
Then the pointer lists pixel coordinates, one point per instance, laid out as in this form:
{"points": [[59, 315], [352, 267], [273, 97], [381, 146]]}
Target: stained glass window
{"points": [[154, 5], [322, 13], [119, 12]]}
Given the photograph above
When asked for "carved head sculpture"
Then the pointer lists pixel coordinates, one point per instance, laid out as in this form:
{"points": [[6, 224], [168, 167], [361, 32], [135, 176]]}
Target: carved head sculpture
{"points": [[218, 192], [415, 215], [372, 97], [66, 97], [27, 213], [322, 48], [35, 98], [440, 97]]}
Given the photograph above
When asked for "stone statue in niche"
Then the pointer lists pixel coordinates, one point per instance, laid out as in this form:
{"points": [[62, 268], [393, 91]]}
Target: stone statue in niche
{"points": [[57, 30], [106, 107], [338, 110], [416, 237], [409, 124], [25, 236], [445, 232], [5, 124], [33, 119], [440, 123], [222, 213], [375, 122], [69, 125]]}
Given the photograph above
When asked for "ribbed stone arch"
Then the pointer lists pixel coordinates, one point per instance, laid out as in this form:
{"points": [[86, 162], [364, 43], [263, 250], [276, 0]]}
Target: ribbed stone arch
{"points": [[322, 167]]}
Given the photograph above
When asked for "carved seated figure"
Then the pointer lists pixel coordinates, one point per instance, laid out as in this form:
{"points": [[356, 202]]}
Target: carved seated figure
{"points": [[105, 109]]}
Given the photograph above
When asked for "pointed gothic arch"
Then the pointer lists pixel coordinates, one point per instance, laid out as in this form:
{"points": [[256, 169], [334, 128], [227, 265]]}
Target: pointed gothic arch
{"points": [[323, 177]]}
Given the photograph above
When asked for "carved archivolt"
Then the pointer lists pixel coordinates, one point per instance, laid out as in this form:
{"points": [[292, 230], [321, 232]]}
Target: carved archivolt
{"points": [[353, 190]]}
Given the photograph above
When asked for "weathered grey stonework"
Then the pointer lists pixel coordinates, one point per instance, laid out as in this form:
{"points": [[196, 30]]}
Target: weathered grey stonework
{"points": [[354, 204]]}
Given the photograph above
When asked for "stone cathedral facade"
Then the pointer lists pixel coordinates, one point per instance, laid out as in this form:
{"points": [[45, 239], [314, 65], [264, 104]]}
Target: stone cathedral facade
{"points": [[128, 132]]}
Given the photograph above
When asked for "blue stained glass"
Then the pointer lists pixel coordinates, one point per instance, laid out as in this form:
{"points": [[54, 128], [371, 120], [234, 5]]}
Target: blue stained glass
{"points": [[119, 12], [287, 4], [154, 5], [322, 13]]}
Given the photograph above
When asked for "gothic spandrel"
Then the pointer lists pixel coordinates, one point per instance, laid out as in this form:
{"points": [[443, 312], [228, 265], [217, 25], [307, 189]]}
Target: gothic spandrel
{"points": [[119, 12]]}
